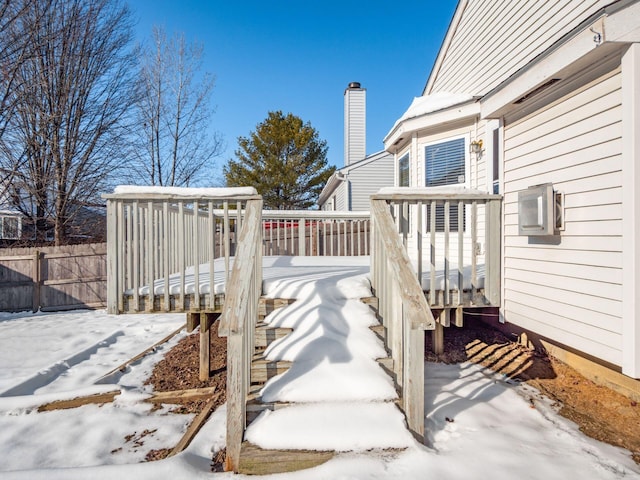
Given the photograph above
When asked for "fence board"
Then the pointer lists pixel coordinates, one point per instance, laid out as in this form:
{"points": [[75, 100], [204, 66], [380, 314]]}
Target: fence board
{"points": [[53, 278]]}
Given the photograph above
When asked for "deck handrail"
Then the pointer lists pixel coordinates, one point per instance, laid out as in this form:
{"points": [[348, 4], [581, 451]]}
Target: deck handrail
{"points": [[443, 230], [238, 322], [404, 311], [154, 239], [447, 222]]}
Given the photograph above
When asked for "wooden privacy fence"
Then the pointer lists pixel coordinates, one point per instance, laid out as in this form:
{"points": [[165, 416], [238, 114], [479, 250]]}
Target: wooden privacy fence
{"points": [[53, 278]]}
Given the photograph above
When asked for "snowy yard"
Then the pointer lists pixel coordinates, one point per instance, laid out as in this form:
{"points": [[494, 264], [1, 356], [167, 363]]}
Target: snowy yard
{"points": [[478, 423]]}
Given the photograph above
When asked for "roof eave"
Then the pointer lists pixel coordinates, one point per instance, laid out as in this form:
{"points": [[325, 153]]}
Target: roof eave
{"points": [[404, 129]]}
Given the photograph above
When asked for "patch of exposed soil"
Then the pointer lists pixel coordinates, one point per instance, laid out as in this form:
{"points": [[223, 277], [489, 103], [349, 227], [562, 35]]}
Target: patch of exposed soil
{"points": [[180, 370], [600, 412]]}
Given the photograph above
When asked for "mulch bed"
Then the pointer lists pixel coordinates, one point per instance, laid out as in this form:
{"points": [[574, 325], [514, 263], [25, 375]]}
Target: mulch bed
{"points": [[180, 370]]}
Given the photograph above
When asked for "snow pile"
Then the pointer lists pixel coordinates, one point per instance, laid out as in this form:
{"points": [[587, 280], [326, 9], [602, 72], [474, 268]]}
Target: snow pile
{"points": [[432, 103]]}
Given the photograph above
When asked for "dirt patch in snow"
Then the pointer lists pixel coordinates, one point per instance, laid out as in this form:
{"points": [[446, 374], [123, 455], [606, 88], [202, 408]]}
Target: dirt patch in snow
{"points": [[180, 370], [600, 412]]}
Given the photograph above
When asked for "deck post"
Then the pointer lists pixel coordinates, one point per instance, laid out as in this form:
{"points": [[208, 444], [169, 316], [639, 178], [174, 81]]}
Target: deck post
{"points": [[413, 388], [113, 289], [236, 413], [437, 338], [302, 237], [205, 343]]}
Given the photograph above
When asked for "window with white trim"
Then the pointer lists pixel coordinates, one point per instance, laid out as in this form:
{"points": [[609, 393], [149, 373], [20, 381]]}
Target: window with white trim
{"points": [[403, 171], [445, 164]]}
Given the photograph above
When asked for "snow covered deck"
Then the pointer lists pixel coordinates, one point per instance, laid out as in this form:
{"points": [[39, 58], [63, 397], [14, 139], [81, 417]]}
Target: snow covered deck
{"points": [[179, 250]]}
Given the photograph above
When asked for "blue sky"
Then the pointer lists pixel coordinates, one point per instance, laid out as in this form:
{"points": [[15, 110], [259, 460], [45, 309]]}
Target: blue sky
{"points": [[300, 56]]}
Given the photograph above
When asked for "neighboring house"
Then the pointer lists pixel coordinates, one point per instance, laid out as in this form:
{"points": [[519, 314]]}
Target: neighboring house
{"points": [[529, 93], [350, 187]]}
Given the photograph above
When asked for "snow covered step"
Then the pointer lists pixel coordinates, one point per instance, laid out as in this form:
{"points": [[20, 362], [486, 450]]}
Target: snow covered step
{"points": [[263, 369], [331, 426], [268, 305], [255, 407], [380, 331], [256, 461], [266, 334]]}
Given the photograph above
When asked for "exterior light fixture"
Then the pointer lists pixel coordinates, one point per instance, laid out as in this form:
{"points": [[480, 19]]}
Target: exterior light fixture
{"points": [[476, 147]]}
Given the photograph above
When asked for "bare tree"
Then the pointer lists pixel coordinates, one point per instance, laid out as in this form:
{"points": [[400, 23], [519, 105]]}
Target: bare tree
{"points": [[70, 95], [17, 40], [176, 146]]}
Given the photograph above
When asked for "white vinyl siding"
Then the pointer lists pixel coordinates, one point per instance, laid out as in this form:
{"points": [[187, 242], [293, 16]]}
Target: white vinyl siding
{"points": [[569, 288], [341, 197], [495, 39], [368, 178]]}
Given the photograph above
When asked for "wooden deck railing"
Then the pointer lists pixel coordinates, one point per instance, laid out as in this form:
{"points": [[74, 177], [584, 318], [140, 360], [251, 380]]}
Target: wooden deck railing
{"points": [[453, 239], [238, 322], [315, 233], [162, 247], [427, 256], [164, 241], [404, 311]]}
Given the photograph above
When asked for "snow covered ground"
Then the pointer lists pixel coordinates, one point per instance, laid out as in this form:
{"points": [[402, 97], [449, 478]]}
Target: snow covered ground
{"points": [[479, 424]]}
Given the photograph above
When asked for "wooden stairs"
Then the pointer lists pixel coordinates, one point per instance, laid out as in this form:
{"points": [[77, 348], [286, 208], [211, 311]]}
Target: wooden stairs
{"points": [[257, 461]]}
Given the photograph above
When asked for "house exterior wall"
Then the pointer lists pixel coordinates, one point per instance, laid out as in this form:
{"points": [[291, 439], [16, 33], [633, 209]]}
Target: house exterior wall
{"points": [[341, 197], [368, 179], [493, 42], [569, 287]]}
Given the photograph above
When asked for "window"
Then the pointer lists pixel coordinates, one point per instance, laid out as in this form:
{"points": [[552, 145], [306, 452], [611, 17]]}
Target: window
{"points": [[10, 228], [445, 163], [496, 161], [403, 171]]}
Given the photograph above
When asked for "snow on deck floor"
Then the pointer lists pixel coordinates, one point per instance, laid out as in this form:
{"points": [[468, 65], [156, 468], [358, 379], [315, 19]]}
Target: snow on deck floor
{"points": [[278, 268]]}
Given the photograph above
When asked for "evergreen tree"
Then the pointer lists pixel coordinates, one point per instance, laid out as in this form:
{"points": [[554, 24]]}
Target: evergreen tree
{"points": [[284, 159]]}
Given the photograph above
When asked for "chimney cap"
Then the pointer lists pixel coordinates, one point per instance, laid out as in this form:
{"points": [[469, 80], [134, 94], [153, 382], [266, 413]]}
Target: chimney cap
{"points": [[354, 85]]}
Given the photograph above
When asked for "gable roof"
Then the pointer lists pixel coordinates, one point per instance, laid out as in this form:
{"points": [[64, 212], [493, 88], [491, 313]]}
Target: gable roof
{"points": [[488, 41]]}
